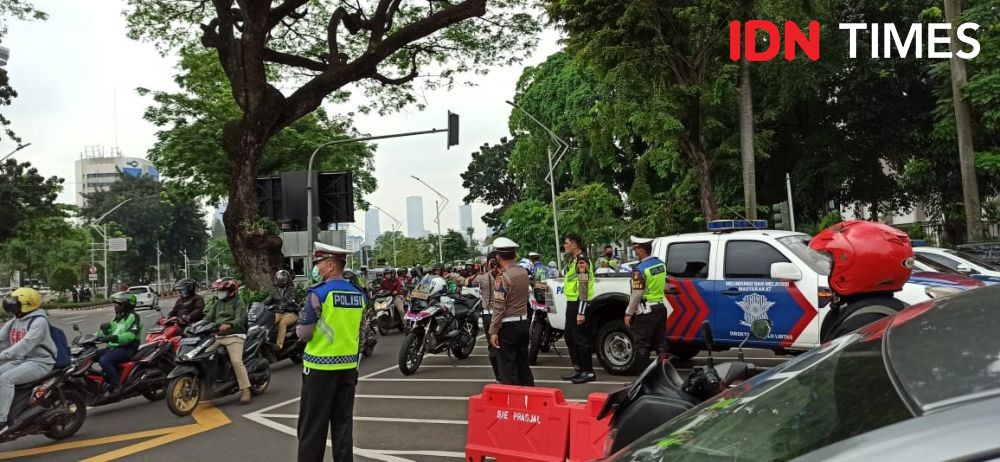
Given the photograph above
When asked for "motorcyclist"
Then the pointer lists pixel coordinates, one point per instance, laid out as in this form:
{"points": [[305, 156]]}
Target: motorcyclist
{"points": [[122, 338], [189, 307], [394, 286], [27, 352], [454, 279], [536, 263], [609, 259], [227, 310], [869, 262], [286, 307], [403, 277]]}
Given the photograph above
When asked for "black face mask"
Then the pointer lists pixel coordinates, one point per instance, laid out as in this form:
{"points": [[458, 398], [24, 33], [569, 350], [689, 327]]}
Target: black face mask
{"points": [[608, 254], [120, 309]]}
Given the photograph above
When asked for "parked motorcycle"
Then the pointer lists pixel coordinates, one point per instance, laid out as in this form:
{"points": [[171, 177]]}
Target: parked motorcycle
{"points": [[369, 333], [144, 374], [659, 394], [543, 336], [203, 373], [292, 349], [50, 406], [438, 323], [386, 315]]}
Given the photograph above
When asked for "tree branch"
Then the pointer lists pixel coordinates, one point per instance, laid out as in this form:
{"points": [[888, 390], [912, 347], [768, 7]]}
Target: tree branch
{"points": [[287, 8], [400, 80], [294, 60]]}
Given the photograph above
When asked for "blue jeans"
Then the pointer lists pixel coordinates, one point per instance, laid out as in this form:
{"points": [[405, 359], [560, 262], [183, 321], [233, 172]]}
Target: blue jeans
{"points": [[109, 359], [17, 373]]}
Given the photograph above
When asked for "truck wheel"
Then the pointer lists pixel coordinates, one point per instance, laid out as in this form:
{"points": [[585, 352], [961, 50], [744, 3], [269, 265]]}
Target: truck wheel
{"points": [[537, 335], [683, 353], [615, 348]]}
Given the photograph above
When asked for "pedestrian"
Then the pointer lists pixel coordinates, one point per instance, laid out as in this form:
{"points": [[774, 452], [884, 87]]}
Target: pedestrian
{"points": [[646, 314], [485, 281], [579, 290], [331, 324], [76, 294], [509, 326]]}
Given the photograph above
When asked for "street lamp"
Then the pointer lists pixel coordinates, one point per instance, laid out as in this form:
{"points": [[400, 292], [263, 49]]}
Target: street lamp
{"points": [[103, 231], [550, 178], [185, 254], [19, 147], [395, 227], [438, 207]]}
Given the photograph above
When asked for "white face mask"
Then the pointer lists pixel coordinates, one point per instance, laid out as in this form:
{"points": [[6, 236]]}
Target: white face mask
{"points": [[222, 295]]}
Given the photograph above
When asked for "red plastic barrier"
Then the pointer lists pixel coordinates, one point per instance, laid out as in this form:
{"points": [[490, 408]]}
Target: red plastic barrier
{"points": [[587, 434], [518, 424]]}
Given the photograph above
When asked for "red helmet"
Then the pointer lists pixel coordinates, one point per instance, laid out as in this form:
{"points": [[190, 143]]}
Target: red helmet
{"points": [[227, 284], [866, 257]]}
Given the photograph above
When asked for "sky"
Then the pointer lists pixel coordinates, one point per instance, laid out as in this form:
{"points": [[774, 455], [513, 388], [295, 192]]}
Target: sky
{"points": [[77, 72]]}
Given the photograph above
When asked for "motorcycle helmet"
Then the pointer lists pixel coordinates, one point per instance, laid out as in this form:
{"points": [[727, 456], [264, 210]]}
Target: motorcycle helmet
{"points": [[186, 287], [124, 302], [225, 288], [437, 269], [388, 271], [282, 278], [22, 301], [401, 272], [865, 257]]}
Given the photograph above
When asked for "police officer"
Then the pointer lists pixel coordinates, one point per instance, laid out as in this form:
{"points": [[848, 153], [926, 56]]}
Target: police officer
{"points": [[579, 290], [485, 281], [509, 328], [331, 324], [609, 258], [646, 314]]}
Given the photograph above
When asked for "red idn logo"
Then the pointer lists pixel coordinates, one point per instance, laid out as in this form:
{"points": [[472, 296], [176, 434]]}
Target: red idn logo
{"points": [[793, 37]]}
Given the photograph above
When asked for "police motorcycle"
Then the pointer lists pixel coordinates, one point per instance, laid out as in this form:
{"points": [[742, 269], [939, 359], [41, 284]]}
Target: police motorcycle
{"points": [[263, 316], [659, 394], [202, 373], [438, 322], [543, 336], [387, 317]]}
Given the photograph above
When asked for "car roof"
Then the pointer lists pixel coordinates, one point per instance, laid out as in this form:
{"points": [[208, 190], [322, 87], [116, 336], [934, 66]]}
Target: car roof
{"points": [[946, 352], [774, 233]]}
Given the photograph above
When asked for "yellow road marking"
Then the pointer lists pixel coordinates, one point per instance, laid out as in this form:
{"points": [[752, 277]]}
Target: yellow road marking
{"points": [[206, 418]]}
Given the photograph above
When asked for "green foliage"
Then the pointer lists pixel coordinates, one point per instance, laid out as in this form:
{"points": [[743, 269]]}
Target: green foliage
{"points": [[42, 244], [591, 211], [63, 277], [248, 295], [529, 223], [25, 195], [488, 179], [916, 231], [455, 247], [21, 10]]}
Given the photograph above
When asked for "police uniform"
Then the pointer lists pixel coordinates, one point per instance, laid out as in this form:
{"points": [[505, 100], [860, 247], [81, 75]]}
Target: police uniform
{"points": [[649, 314], [578, 335], [511, 323], [331, 321]]}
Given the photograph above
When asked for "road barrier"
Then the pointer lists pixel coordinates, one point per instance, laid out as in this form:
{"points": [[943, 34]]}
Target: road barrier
{"points": [[528, 424]]}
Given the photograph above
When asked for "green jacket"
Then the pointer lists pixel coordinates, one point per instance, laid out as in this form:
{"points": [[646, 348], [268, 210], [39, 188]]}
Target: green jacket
{"points": [[126, 329], [232, 312]]}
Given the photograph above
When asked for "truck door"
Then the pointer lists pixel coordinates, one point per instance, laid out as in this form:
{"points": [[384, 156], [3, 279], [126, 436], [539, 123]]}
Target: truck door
{"points": [[689, 292]]}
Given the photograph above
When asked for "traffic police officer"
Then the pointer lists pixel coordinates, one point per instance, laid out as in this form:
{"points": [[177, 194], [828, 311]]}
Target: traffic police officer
{"points": [[331, 324], [579, 290], [509, 328], [646, 314]]}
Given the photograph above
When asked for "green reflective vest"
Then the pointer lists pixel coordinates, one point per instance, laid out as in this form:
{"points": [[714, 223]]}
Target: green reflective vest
{"points": [[572, 284], [655, 274], [335, 341]]}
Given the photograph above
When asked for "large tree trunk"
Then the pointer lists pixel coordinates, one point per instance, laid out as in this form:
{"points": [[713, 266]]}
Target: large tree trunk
{"points": [[257, 252], [746, 128], [963, 128], [703, 175]]}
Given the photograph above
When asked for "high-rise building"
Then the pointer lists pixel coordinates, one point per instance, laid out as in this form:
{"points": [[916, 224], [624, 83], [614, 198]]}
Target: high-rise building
{"points": [[95, 170], [465, 217], [372, 229], [415, 217]]}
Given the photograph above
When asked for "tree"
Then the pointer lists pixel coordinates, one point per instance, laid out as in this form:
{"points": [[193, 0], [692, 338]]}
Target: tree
{"points": [[529, 223], [455, 247], [318, 49], [17, 9], [25, 195], [488, 179], [591, 211], [40, 245]]}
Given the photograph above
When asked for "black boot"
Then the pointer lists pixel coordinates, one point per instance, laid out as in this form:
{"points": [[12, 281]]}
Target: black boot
{"points": [[572, 375], [585, 377]]}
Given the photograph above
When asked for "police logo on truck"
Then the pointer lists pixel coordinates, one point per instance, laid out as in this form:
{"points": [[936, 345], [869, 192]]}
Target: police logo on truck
{"points": [[754, 307]]}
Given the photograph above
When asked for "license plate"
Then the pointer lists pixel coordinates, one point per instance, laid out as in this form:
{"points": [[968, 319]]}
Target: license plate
{"points": [[154, 329], [190, 341], [419, 295]]}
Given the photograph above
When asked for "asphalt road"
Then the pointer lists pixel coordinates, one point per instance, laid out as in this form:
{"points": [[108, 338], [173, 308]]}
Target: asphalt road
{"points": [[397, 418]]}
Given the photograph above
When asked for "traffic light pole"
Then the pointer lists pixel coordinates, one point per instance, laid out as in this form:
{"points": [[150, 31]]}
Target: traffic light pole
{"points": [[791, 206]]}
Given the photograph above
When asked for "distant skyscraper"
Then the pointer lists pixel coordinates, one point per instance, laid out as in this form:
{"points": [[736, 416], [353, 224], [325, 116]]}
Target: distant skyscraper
{"points": [[415, 217], [372, 229], [465, 217]]}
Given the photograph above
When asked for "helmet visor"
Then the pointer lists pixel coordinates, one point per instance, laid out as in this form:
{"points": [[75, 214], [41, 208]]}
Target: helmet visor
{"points": [[11, 305]]}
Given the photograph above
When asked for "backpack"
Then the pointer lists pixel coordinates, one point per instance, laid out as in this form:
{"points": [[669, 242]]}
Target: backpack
{"points": [[62, 353]]}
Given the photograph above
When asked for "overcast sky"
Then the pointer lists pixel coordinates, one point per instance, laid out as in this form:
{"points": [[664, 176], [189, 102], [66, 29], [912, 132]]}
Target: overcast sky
{"points": [[72, 71]]}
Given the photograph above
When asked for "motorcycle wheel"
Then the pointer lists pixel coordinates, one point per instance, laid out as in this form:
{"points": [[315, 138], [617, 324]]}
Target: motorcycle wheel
{"points": [[410, 355], [184, 393], [261, 386], [155, 395], [78, 408], [383, 326], [537, 336], [463, 351]]}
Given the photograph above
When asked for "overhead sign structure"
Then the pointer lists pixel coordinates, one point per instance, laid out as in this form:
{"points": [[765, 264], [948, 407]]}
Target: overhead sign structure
{"points": [[93, 277], [117, 244]]}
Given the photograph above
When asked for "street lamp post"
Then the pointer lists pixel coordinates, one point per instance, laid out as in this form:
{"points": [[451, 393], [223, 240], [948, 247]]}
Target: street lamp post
{"points": [[395, 227], [563, 147], [364, 239], [103, 231], [438, 207], [18, 148], [185, 254]]}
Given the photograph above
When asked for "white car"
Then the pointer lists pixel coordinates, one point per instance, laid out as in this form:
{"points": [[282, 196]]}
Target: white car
{"points": [[145, 296], [959, 261]]}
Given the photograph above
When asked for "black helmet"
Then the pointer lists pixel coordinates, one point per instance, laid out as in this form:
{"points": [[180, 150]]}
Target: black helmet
{"points": [[439, 267], [282, 278], [186, 287], [419, 269], [401, 272]]}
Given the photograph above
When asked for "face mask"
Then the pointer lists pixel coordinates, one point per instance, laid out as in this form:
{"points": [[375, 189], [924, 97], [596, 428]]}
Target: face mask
{"points": [[222, 295], [185, 293], [608, 254], [315, 274]]}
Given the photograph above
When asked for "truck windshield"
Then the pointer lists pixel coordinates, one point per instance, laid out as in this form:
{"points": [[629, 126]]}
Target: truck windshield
{"points": [[799, 245]]}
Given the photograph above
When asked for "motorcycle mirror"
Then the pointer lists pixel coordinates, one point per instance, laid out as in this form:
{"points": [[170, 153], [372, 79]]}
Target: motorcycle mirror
{"points": [[761, 328]]}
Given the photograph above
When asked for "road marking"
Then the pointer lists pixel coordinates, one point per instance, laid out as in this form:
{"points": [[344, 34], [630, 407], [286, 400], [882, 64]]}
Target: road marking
{"points": [[206, 418], [373, 374], [478, 366], [415, 397], [487, 381]]}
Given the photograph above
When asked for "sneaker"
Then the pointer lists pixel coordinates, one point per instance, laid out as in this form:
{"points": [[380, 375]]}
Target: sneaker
{"points": [[585, 377], [571, 375], [246, 396]]}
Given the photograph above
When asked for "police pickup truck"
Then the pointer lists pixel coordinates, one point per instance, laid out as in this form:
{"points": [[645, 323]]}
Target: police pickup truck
{"points": [[730, 276]]}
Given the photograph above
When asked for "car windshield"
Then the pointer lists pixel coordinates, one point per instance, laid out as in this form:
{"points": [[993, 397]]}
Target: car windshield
{"points": [[933, 265], [799, 245], [975, 259], [829, 394], [137, 290]]}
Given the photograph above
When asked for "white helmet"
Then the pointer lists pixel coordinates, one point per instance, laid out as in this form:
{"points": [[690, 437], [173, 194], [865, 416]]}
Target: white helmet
{"points": [[504, 243]]}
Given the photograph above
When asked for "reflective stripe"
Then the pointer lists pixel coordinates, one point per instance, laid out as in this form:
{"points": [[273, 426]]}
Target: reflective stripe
{"points": [[330, 360]]}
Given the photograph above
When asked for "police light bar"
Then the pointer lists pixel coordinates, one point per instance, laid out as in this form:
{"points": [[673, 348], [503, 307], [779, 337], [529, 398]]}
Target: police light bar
{"points": [[918, 243], [736, 225]]}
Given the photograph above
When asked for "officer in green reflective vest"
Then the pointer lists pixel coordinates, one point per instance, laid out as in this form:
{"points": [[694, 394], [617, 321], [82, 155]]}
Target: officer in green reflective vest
{"points": [[579, 290], [646, 314], [331, 324]]}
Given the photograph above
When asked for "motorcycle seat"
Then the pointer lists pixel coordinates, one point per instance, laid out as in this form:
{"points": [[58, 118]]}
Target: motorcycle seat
{"points": [[462, 309], [33, 384]]}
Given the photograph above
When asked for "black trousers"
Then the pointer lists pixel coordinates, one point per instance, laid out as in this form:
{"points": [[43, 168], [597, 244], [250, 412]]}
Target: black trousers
{"points": [[512, 359], [487, 319], [578, 339], [650, 333], [327, 408]]}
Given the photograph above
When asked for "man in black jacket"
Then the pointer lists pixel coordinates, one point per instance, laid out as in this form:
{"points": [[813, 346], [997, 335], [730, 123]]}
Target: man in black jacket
{"points": [[190, 307], [286, 306]]}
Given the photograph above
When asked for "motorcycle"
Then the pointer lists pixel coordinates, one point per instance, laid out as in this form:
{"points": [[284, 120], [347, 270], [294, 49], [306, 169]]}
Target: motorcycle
{"points": [[50, 406], [264, 316], [659, 394], [369, 334], [386, 314], [144, 374], [438, 323], [203, 372], [543, 336]]}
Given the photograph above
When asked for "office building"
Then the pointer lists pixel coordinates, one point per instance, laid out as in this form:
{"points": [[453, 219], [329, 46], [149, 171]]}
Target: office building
{"points": [[372, 228], [96, 169], [415, 217], [465, 217]]}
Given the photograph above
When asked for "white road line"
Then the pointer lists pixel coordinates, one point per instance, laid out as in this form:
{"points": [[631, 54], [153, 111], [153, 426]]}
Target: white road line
{"points": [[449, 454], [415, 397], [373, 374], [490, 380], [477, 366]]}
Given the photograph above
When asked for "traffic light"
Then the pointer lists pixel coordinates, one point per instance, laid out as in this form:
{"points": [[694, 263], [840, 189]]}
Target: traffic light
{"points": [[452, 129], [782, 219]]}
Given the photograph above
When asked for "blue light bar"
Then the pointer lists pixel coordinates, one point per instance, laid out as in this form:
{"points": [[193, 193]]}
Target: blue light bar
{"points": [[918, 243], [736, 225]]}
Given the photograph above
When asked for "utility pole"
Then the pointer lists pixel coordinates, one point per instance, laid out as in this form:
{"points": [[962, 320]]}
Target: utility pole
{"points": [[159, 283], [438, 207], [184, 253]]}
